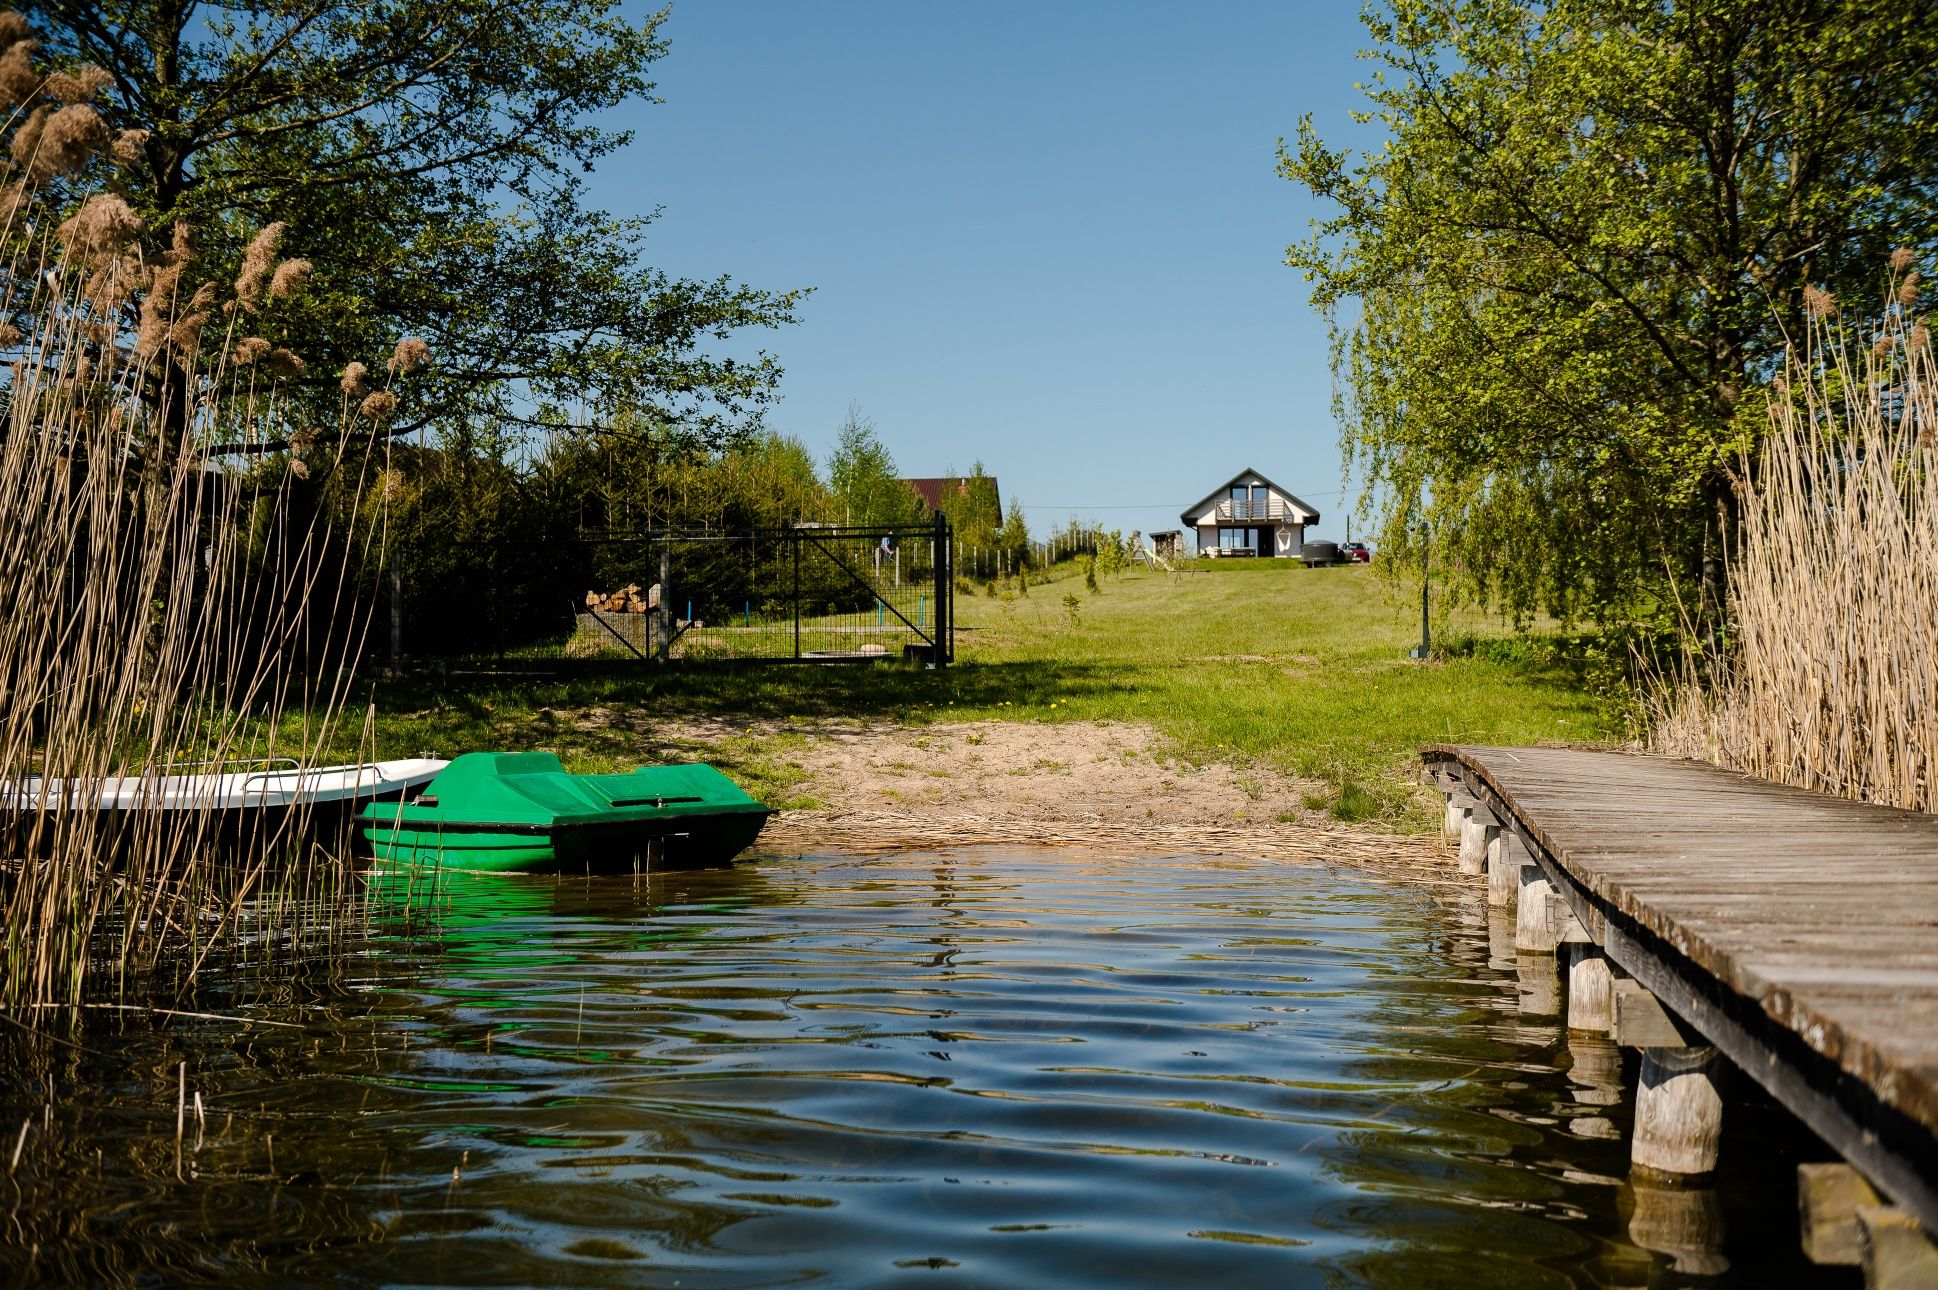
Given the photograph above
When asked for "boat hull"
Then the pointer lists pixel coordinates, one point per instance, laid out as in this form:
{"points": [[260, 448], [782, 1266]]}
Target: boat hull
{"points": [[218, 813], [689, 842]]}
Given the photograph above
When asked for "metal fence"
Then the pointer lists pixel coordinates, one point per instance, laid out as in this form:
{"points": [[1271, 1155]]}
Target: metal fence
{"points": [[806, 593]]}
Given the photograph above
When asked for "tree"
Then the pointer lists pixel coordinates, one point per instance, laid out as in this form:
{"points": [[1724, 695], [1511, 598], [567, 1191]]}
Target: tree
{"points": [[422, 159], [1013, 539], [861, 475], [1590, 231], [973, 508]]}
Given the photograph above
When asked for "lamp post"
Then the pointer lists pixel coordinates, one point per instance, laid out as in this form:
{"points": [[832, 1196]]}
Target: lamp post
{"points": [[1425, 647]]}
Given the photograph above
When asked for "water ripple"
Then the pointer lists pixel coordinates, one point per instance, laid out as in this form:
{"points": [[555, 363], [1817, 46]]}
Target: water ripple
{"points": [[988, 1068]]}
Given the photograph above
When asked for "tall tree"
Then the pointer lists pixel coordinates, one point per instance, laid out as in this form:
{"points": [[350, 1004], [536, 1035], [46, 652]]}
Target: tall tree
{"points": [[424, 159], [1588, 232], [861, 475]]}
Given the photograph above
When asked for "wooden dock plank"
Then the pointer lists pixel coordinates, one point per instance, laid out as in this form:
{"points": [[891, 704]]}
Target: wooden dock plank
{"points": [[1790, 918]]}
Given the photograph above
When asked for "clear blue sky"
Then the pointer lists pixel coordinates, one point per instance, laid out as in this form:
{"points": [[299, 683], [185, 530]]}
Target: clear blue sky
{"points": [[1046, 235]]}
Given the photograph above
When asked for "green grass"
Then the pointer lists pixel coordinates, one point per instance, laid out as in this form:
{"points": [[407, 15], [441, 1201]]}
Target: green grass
{"points": [[1259, 664]]}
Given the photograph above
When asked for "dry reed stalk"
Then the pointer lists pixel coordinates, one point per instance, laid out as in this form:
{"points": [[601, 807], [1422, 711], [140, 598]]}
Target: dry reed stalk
{"points": [[160, 607], [1830, 679]]}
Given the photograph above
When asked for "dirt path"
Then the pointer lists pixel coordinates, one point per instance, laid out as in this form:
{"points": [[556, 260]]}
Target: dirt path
{"points": [[1089, 784]]}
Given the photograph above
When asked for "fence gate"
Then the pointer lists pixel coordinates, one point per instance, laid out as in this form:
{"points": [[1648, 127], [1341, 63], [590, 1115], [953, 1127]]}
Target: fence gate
{"points": [[809, 593]]}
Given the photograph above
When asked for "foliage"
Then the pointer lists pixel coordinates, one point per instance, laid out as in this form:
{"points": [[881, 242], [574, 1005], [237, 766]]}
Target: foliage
{"points": [[862, 478], [422, 160], [1013, 538], [974, 511], [1589, 231], [1826, 677]]}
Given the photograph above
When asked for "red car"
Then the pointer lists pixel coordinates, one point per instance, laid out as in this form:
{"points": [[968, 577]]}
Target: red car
{"points": [[1355, 553]]}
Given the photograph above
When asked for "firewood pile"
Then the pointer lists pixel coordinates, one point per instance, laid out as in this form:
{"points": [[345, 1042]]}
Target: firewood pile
{"points": [[626, 600]]}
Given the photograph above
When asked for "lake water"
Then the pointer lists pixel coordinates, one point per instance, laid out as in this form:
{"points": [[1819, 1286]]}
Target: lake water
{"points": [[970, 1068]]}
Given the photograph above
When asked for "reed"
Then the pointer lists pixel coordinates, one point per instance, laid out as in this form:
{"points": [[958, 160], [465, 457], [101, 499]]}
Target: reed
{"points": [[1829, 679], [157, 606]]}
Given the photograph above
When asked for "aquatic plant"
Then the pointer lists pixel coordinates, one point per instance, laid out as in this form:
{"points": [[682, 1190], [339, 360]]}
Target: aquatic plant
{"points": [[1827, 675], [162, 603]]}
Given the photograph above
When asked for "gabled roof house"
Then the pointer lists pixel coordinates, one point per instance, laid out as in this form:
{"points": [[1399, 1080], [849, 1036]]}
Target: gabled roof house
{"points": [[1249, 515]]}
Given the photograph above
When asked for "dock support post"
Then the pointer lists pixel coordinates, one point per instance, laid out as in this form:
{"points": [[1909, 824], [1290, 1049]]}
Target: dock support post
{"points": [[1477, 832], [1684, 1223], [1533, 934], [1678, 1111], [1898, 1253], [1591, 989], [1538, 992], [1828, 1198], [1459, 802], [1504, 864]]}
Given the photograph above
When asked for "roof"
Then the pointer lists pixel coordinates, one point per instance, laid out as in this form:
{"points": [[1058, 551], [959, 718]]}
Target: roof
{"points": [[931, 490], [1223, 491]]}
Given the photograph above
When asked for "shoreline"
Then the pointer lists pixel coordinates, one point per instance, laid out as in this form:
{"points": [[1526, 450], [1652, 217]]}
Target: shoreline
{"points": [[880, 788]]}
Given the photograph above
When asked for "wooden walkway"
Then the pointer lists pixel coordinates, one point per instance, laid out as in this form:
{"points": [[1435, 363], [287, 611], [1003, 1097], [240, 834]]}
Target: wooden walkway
{"points": [[1795, 933]]}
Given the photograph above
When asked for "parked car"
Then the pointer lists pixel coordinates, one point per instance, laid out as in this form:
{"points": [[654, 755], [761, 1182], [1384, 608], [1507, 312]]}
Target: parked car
{"points": [[1356, 553]]}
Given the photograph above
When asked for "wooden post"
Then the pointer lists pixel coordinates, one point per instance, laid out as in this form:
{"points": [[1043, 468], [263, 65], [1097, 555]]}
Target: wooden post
{"points": [[1591, 989], [1459, 803], [1595, 1069], [1678, 1111], [666, 602], [1504, 865], [1685, 1223], [1476, 833], [396, 610], [1898, 1253], [1532, 932], [1539, 991], [1500, 940], [1828, 1198]]}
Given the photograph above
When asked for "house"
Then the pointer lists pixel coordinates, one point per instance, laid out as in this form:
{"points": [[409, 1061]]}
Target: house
{"points": [[932, 491], [1252, 516]]}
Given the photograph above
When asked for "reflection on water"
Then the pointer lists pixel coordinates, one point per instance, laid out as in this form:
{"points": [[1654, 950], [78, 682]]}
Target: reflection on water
{"points": [[976, 1068]]}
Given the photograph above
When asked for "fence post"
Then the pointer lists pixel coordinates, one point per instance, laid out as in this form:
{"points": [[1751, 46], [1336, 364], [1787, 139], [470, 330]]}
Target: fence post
{"points": [[666, 601], [945, 594], [396, 609], [794, 536]]}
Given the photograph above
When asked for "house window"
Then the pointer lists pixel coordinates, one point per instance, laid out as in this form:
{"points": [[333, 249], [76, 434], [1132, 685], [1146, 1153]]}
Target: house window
{"points": [[1237, 538]]}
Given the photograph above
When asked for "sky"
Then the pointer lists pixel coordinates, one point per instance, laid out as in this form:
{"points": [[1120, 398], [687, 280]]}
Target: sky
{"points": [[1048, 236]]}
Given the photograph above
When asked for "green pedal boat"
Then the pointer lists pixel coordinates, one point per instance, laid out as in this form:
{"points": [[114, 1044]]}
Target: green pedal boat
{"points": [[496, 812]]}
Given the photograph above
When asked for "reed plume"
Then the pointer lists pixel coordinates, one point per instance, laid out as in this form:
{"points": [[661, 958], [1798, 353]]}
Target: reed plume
{"points": [[163, 605], [288, 279], [411, 353], [258, 262], [1830, 680]]}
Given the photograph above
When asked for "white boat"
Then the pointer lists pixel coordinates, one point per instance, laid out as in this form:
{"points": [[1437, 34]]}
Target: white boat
{"points": [[330, 794]]}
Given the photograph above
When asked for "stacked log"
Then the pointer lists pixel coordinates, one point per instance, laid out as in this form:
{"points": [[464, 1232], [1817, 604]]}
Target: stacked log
{"points": [[626, 600]]}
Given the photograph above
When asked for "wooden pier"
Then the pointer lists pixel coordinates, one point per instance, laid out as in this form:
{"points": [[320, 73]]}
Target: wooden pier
{"points": [[1709, 919]]}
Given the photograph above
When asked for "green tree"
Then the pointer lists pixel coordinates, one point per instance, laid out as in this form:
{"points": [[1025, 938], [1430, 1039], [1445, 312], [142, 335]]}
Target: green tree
{"points": [[1590, 229], [423, 159], [974, 512], [862, 478], [1013, 539]]}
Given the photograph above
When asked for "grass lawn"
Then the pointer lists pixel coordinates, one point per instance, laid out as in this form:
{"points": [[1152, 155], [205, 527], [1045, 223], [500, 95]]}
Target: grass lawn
{"points": [[1259, 664]]}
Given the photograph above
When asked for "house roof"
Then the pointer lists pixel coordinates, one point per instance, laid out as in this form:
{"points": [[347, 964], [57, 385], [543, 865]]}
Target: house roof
{"points": [[1223, 491], [931, 490]]}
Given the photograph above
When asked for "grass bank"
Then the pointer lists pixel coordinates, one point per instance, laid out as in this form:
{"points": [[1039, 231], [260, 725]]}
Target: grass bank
{"points": [[1262, 665]]}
